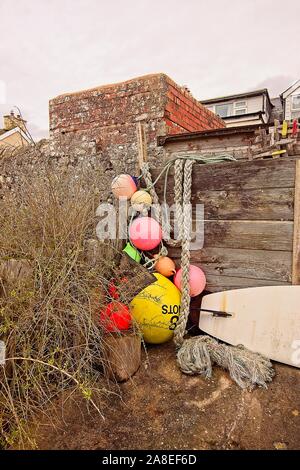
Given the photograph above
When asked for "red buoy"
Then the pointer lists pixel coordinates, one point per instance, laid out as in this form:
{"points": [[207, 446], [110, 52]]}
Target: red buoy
{"points": [[115, 317]]}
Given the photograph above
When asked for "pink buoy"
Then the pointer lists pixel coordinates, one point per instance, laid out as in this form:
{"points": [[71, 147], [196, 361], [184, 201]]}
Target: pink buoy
{"points": [[145, 233], [123, 186], [197, 280]]}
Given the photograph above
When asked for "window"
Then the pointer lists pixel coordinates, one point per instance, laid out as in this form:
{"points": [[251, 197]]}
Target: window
{"points": [[224, 110], [240, 104], [229, 109], [240, 107], [296, 102]]}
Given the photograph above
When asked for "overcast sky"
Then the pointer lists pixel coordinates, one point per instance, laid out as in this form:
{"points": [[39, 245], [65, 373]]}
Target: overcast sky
{"points": [[215, 47]]}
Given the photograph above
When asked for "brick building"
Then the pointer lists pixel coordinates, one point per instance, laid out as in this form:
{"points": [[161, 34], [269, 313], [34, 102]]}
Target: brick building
{"points": [[103, 120]]}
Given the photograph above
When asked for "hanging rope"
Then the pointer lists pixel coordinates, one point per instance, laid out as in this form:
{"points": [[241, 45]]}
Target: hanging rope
{"points": [[196, 355], [185, 255]]}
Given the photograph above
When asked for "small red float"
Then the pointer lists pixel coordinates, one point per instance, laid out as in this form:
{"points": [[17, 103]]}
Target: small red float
{"points": [[115, 317]]}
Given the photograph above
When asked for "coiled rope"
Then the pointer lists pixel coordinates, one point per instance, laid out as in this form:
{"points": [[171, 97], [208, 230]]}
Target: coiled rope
{"points": [[196, 355]]}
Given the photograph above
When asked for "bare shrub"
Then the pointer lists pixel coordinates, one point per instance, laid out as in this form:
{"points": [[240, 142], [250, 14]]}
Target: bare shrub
{"points": [[53, 343]]}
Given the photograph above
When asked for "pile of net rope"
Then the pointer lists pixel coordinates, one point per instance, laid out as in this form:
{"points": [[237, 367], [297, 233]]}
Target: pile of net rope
{"points": [[198, 354]]}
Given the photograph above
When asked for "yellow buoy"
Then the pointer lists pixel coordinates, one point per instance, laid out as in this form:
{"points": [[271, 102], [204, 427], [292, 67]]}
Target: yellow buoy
{"points": [[156, 310], [141, 197]]}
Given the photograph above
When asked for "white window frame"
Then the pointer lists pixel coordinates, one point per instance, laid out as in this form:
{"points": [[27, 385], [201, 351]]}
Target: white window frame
{"points": [[224, 104], [239, 106], [297, 108]]}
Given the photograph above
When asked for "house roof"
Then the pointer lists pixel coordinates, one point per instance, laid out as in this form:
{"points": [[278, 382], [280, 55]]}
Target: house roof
{"points": [[276, 101], [222, 132], [263, 91], [290, 89], [6, 134], [239, 116]]}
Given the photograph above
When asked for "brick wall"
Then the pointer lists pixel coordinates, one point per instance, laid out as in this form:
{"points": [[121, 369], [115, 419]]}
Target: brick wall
{"points": [[183, 113], [103, 120]]}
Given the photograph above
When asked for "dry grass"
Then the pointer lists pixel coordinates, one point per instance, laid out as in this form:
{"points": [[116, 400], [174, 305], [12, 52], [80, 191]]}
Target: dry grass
{"points": [[53, 344]]}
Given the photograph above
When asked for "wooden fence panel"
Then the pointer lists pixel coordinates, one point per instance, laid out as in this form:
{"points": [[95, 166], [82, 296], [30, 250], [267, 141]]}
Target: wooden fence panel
{"points": [[251, 222], [296, 237], [258, 264], [247, 204]]}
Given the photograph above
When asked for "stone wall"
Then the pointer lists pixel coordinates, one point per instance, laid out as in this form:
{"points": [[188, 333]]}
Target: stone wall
{"points": [[97, 130], [20, 168], [103, 120]]}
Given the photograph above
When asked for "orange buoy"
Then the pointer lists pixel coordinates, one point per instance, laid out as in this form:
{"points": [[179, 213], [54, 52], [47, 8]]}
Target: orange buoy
{"points": [[165, 266], [123, 186]]}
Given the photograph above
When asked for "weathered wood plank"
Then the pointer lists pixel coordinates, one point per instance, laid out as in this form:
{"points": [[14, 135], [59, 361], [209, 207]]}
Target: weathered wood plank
{"points": [[296, 237], [252, 204], [260, 174], [254, 264], [142, 146], [219, 283], [245, 234], [252, 235], [240, 153], [209, 144], [97, 251], [122, 355]]}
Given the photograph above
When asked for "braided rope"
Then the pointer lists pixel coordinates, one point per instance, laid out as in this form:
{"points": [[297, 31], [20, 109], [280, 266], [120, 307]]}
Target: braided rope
{"points": [[178, 199], [149, 184], [185, 255], [196, 355]]}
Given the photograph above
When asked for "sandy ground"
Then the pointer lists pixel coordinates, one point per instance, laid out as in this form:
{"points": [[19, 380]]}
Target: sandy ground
{"points": [[160, 408]]}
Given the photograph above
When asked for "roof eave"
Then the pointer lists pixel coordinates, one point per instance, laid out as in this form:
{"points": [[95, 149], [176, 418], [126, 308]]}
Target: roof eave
{"points": [[297, 82], [263, 91], [247, 129], [241, 116], [13, 131]]}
